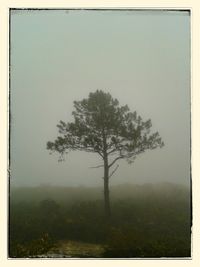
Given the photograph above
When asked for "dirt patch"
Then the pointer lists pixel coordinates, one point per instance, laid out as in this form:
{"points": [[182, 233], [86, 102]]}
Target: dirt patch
{"points": [[69, 248]]}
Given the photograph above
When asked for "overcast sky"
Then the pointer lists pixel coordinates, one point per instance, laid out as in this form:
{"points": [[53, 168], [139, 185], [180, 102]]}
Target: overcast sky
{"points": [[141, 57]]}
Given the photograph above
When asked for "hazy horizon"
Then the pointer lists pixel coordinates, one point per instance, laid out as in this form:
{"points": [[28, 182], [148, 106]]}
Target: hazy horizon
{"points": [[100, 186], [142, 58]]}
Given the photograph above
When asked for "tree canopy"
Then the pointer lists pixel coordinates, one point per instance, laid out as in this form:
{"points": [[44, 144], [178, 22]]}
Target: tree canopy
{"points": [[102, 126]]}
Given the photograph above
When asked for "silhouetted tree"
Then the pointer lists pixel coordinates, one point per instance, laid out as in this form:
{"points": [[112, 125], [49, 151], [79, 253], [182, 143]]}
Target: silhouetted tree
{"points": [[102, 126]]}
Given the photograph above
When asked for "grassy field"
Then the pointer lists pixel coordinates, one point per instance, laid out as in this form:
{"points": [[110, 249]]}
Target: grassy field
{"points": [[147, 221]]}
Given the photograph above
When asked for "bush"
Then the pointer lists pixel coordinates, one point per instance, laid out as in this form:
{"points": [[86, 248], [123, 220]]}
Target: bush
{"points": [[31, 249]]}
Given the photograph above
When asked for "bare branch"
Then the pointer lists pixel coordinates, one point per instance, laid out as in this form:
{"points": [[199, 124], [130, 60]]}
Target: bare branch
{"points": [[95, 167], [99, 153], [120, 157], [114, 170], [112, 151]]}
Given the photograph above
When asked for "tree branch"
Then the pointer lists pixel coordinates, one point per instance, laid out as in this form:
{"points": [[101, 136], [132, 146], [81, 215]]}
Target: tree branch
{"points": [[113, 150], [110, 165], [114, 170], [95, 167], [99, 153]]}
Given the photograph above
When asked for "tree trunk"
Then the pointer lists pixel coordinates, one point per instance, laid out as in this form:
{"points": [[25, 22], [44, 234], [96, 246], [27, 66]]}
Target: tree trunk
{"points": [[106, 189]]}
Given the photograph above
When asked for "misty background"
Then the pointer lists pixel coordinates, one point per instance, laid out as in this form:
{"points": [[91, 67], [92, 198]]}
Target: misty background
{"points": [[142, 58]]}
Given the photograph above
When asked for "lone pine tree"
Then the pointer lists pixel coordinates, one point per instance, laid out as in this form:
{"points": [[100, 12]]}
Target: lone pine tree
{"points": [[104, 127]]}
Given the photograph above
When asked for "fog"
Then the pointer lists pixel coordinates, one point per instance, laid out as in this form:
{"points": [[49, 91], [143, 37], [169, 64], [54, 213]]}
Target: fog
{"points": [[140, 58]]}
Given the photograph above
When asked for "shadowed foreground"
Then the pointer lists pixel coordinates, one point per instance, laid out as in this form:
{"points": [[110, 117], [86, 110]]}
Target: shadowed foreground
{"points": [[147, 221]]}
